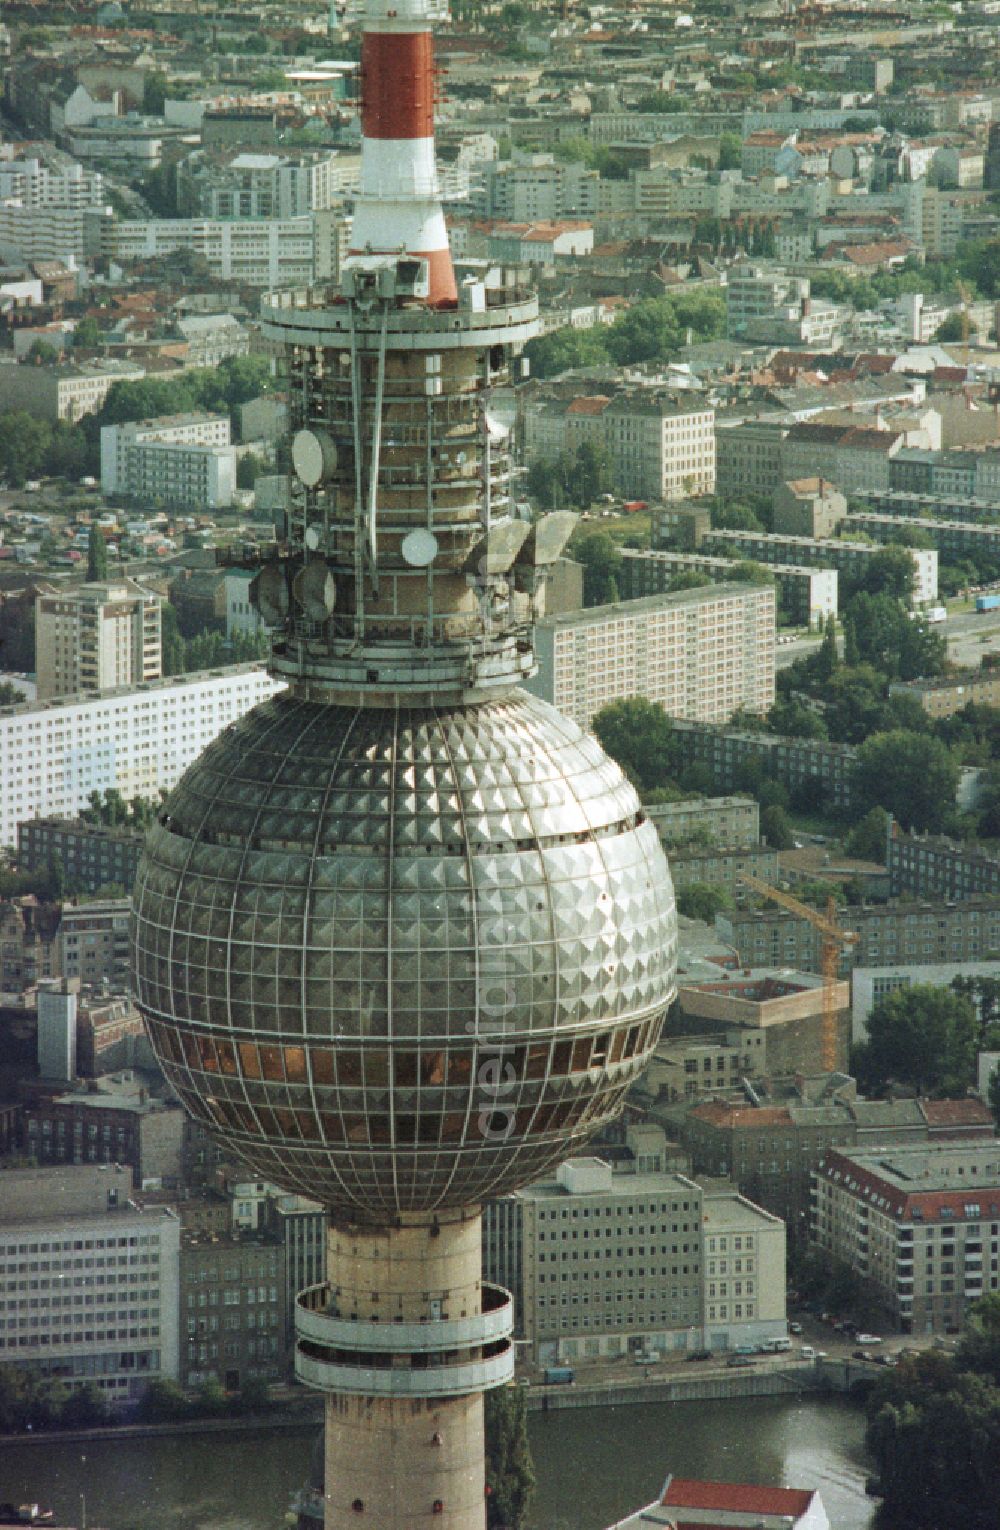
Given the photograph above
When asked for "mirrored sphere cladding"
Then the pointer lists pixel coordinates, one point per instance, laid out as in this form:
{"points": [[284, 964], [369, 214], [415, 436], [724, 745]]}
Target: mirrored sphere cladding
{"points": [[403, 960]]}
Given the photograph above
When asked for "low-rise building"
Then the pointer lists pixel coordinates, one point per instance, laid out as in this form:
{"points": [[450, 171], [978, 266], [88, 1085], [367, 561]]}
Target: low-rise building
{"points": [[604, 1263], [808, 507], [890, 934], [944, 695], [734, 756], [921, 1226], [106, 1278], [722, 866], [111, 1120], [774, 1017], [937, 867], [849, 558], [92, 855], [701, 653], [954, 540], [806, 596], [63, 391], [733, 1505], [720, 820], [660, 446]]}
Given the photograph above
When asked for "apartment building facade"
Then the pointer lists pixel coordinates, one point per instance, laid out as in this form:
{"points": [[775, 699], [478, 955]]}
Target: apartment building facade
{"points": [[928, 867], [93, 943], [88, 1282], [181, 461], [92, 855], [701, 653], [921, 1225], [612, 1264], [849, 558], [748, 457], [257, 184], [232, 1310], [944, 695], [723, 820], [806, 596], [722, 866], [953, 539], [95, 637], [54, 754], [661, 447], [65, 391], [732, 755], [910, 934]]}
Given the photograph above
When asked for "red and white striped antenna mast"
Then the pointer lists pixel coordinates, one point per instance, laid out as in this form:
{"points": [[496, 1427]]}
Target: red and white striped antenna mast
{"points": [[398, 207]]}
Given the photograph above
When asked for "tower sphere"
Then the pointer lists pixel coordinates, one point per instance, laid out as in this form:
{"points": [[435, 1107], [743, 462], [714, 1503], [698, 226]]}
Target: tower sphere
{"points": [[400, 961]]}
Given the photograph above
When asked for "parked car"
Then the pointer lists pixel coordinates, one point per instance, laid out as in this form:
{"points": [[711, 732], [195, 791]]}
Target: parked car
{"points": [[740, 1360], [869, 1338], [795, 1328], [698, 1354]]}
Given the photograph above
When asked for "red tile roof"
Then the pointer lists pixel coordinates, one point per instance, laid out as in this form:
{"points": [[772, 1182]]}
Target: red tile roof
{"points": [[956, 1113], [735, 1497], [740, 1117], [593, 405]]}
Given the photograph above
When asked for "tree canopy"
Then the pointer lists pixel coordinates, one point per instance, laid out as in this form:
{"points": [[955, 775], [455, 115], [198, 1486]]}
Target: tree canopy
{"points": [[914, 777], [510, 1474], [923, 1036], [640, 736]]}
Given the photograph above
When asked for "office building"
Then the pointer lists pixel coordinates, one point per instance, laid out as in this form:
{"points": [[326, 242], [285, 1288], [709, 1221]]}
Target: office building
{"points": [[92, 855], [54, 754], [93, 943], [258, 184], [806, 596], [181, 461], [95, 637], [608, 1264], [277, 253], [920, 1225], [88, 1282], [232, 1311], [701, 654]]}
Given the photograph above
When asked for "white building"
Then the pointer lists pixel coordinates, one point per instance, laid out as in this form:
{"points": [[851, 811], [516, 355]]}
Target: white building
{"points": [[242, 616], [660, 446], [33, 182], [96, 636], [54, 754], [258, 184], [102, 1275], [179, 460], [636, 1261], [65, 391], [870, 985], [261, 252], [70, 234], [702, 654]]}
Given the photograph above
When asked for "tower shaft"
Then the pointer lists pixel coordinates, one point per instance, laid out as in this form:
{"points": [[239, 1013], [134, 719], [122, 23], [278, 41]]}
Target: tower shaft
{"points": [[404, 1340]]}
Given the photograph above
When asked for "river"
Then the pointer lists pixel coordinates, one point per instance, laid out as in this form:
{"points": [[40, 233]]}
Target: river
{"points": [[594, 1465]]}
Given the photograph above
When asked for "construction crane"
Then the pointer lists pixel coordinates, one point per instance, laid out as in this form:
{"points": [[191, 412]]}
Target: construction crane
{"points": [[833, 941]]}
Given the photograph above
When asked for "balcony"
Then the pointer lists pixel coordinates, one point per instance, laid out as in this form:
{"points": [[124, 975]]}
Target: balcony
{"points": [[314, 1324]]}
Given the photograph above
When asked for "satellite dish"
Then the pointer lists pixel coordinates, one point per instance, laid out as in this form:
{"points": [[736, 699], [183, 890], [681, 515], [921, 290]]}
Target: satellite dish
{"points": [[314, 457], [313, 537], [269, 593], [419, 548], [315, 590]]}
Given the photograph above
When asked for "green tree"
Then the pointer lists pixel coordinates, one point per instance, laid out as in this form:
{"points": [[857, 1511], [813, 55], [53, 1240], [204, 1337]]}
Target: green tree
{"points": [[171, 642], [510, 1475], [730, 151], [590, 473], [701, 900], [10, 695], [97, 556], [602, 562], [914, 777], [890, 571], [87, 333], [923, 1036], [776, 827], [640, 736], [866, 840], [154, 93], [564, 349], [793, 719], [85, 1407], [827, 660], [247, 471], [162, 1401]]}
